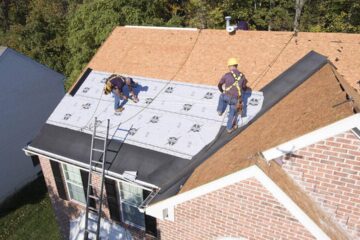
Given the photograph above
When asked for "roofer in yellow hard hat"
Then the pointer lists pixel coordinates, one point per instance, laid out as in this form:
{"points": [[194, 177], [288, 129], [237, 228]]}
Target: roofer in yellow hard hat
{"points": [[232, 86], [115, 84]]}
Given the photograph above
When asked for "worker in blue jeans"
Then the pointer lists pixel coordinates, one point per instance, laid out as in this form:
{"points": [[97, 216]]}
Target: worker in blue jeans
{"points": [[232, 86], [115, 84]]}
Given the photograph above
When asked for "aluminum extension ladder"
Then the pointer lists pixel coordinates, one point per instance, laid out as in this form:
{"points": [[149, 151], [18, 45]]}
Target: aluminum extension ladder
{"points": [[94, 169]]}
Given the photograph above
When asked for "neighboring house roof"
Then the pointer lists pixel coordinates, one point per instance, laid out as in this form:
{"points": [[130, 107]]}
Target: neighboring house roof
{"points": [[200, 56], [29, 93]]}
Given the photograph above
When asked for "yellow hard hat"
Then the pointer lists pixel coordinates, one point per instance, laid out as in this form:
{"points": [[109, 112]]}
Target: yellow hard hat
{"points": [[108, 88], [232, 62]]}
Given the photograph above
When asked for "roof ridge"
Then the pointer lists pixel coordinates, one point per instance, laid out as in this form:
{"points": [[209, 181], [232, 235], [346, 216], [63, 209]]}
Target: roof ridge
{"points": [[162, 28], [352, 94]]}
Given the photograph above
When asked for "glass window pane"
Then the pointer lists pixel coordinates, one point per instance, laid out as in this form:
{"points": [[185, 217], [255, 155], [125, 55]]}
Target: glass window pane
{"points": [[131, 193], [74, 183], [72, 174], [76, 193], [132, 215]]}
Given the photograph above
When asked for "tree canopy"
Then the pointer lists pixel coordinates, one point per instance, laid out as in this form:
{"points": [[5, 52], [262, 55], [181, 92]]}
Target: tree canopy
{"points": [[65, 34]]}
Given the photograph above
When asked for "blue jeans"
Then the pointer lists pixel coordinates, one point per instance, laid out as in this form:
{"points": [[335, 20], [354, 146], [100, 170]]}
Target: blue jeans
{"points": [[224, 101], [117, 100]]}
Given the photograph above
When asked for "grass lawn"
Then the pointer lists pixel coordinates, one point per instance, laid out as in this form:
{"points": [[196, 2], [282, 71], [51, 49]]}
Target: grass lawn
{"points": [[29, 215]]}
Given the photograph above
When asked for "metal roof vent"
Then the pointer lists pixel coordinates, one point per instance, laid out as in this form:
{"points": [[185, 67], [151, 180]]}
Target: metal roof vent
{"points": [[229, 29]]}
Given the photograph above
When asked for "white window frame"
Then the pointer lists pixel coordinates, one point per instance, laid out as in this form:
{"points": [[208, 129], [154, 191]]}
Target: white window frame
{"points": [[67, 187], [143, 228]]}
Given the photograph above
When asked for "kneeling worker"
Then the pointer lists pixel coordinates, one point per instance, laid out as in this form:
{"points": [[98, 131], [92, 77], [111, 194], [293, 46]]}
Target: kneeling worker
{"points": [[115, 84], [235, 85]]}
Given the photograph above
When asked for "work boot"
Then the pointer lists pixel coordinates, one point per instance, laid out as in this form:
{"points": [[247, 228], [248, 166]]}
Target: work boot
{"points": [[232, 129], [135, 99], [120, 109]]}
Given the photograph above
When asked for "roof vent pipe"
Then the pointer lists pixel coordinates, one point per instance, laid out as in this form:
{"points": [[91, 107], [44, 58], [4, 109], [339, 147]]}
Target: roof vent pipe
{"points": [[229, 29]]}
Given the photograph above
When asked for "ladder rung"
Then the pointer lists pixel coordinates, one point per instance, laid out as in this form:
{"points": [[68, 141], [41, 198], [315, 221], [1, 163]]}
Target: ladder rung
{"points": [[93, 209], [98, 150], [90, 231], [97, 162], [99, 138], [94, 197], [95, 171], [92, 219]]}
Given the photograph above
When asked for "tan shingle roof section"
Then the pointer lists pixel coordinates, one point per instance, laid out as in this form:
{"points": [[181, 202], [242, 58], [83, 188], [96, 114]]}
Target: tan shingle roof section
{"points": [[200, 56], [308, 107]]}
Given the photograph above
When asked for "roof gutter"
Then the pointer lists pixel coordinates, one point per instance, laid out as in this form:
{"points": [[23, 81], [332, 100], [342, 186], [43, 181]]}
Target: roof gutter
{"points": [[29, 150]]}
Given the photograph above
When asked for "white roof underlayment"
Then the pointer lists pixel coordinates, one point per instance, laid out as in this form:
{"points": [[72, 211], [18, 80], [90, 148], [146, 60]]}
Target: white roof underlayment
{"points": [[108, 230], [171, 117]]}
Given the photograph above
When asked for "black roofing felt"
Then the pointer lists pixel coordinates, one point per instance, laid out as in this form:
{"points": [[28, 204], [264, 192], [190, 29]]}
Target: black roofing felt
{"points": [[80, 81], [166, 171]]}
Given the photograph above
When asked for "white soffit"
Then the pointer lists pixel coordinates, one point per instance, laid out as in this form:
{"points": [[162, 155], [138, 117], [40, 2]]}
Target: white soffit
{"points": [[171, 117], [338, 127]]}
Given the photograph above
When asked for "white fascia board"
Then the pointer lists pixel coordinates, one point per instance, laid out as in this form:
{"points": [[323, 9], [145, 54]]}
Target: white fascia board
{"points": [[313, 137], [83, 166], [163, 28], [157, 209]]}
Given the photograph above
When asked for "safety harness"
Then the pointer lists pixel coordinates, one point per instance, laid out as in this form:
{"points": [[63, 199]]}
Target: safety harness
{"points": [[236, 83], [108, 86]]}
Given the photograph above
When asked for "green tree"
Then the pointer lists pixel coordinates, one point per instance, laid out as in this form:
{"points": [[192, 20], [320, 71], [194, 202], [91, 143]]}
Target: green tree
{"points": [[204, 14], [331, 16], [88, 27], [65, 34], [42, 35]]}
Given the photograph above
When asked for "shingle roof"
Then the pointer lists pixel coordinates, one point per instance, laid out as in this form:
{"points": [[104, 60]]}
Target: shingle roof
{"points": [[308, 107], [200, 56]]}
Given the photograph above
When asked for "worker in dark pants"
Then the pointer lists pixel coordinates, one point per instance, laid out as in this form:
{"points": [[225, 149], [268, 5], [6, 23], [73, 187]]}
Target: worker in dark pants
{"points": [[232, 86], [115, 84]]}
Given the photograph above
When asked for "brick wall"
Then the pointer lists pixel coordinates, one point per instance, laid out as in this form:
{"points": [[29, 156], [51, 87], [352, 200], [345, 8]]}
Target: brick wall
{"points": [[245, 209], [67, 210], [64, 210], [329, 171]]}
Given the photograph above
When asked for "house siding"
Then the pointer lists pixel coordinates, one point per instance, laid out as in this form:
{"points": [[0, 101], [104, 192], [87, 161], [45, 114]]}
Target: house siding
{"points": [[245, 209], [65, 210], [329, 172]]}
